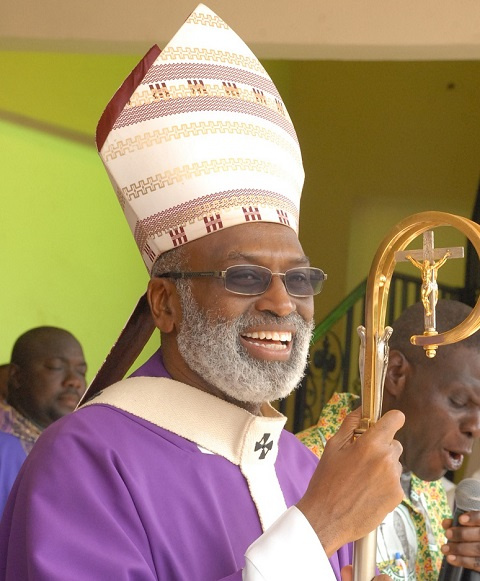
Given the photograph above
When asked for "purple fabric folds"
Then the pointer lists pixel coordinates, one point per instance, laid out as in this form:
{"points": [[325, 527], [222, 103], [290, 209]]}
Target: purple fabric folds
{"points": [[106, 495], [12, 456]]}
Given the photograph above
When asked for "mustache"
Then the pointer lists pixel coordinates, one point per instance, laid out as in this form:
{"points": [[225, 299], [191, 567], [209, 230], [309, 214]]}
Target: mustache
{"points": [[247, 320]]}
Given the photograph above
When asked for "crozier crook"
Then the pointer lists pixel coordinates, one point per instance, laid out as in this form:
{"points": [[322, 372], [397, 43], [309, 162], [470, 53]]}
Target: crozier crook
{"points": [[374, 336]]}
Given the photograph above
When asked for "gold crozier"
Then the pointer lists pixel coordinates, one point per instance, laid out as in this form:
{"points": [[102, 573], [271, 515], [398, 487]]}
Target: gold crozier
{"points": [[374, 336]]}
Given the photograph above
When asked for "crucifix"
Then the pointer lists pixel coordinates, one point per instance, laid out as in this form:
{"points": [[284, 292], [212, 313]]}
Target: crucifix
{"points": [[429, 260]]}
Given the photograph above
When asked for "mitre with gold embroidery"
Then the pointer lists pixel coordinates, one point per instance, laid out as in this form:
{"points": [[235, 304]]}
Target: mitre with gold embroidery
{"points": [[198, 139]]}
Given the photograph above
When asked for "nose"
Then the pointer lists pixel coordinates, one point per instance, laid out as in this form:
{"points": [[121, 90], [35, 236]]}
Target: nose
{"points": [[471, 423], [276, 299], [75, 379]]}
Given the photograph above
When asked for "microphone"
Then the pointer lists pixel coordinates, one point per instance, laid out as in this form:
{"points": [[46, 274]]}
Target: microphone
{"points": [[467, 497]]}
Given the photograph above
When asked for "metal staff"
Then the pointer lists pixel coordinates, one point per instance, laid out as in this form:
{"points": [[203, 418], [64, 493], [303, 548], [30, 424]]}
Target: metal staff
{"points": [[374, 336]]}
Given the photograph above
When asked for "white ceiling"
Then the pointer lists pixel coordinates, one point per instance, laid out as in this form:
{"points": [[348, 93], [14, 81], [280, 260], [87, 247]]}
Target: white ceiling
{"points": [[295, 29]]}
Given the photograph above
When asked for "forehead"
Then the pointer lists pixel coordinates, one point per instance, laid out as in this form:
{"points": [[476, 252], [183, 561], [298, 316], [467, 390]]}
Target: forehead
{"points": [[459, 367], [51, 346], [262, 242]]}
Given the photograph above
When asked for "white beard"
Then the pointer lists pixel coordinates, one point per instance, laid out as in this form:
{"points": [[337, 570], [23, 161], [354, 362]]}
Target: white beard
{"points": [[210, 345]]}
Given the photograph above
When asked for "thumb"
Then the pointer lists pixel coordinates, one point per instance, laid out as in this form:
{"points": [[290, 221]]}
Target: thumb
{"points": [[389, 424]]}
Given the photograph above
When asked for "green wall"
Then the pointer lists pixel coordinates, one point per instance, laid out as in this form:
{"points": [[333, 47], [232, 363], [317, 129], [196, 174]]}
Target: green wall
{"points": [[380, 141], [66, 258], [65, 90]]}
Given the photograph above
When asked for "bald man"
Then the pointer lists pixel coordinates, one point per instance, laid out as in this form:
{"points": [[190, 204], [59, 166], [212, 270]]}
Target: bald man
{"points": [[440, 399], [46, 378]]}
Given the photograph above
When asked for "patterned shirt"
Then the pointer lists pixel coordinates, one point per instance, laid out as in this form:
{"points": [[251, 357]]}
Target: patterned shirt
{"points": [[409, 539], [13, 422]]}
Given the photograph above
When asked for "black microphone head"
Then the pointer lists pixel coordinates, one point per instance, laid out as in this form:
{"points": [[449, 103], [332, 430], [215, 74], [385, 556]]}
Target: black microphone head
{"points": [[467, 494]]}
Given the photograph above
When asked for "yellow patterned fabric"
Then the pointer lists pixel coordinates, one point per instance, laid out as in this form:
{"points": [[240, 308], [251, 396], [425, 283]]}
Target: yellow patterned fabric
{"points": [[198, 139], [425, 508]]}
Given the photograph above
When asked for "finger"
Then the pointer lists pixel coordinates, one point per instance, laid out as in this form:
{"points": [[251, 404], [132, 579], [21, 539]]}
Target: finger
{"points": [[347, 429], [387, 426], [470, 519], [472, 563], [465, 549], [463, 535], [447, 523]]}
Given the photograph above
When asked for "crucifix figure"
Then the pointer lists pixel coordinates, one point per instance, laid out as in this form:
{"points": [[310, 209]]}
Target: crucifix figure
{"points": [[429, 291], [428, 261]]}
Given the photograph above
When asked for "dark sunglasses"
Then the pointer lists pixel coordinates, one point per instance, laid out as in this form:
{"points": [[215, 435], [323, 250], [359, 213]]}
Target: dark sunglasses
{"points": [[248, 279]]}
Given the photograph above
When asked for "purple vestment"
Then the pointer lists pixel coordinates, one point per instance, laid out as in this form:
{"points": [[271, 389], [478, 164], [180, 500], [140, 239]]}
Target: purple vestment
{"points": [[12, 456], [105, 495]]}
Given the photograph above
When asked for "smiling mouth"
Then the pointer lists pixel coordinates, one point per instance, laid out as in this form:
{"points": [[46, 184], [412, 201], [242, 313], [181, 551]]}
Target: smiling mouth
{"points": [[274, 340]]}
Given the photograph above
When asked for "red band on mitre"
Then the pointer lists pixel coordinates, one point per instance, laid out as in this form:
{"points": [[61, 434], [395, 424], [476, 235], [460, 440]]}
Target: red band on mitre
{"points": [[122, 96]]}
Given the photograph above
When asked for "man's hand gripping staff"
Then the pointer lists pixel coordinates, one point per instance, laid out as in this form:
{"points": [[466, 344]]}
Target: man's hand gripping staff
{"points": [[356, 483]]}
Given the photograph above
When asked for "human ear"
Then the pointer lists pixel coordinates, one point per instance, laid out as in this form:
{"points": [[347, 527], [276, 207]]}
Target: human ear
{"points": [[164, 305], [13, 380], [398, 369], [14, 383]]}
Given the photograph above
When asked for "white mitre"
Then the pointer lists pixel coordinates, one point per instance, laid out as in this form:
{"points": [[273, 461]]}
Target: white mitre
{"points": [[198, 139]]}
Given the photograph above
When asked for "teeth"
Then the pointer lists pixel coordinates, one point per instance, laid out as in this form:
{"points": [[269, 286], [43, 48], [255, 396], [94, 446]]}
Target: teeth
{"points": [[270, 335], [272, 347]]}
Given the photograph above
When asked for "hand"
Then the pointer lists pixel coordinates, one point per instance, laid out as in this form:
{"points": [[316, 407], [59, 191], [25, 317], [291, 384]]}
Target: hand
{"points": [[463, 548], [347, 575], [356, 483]]}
